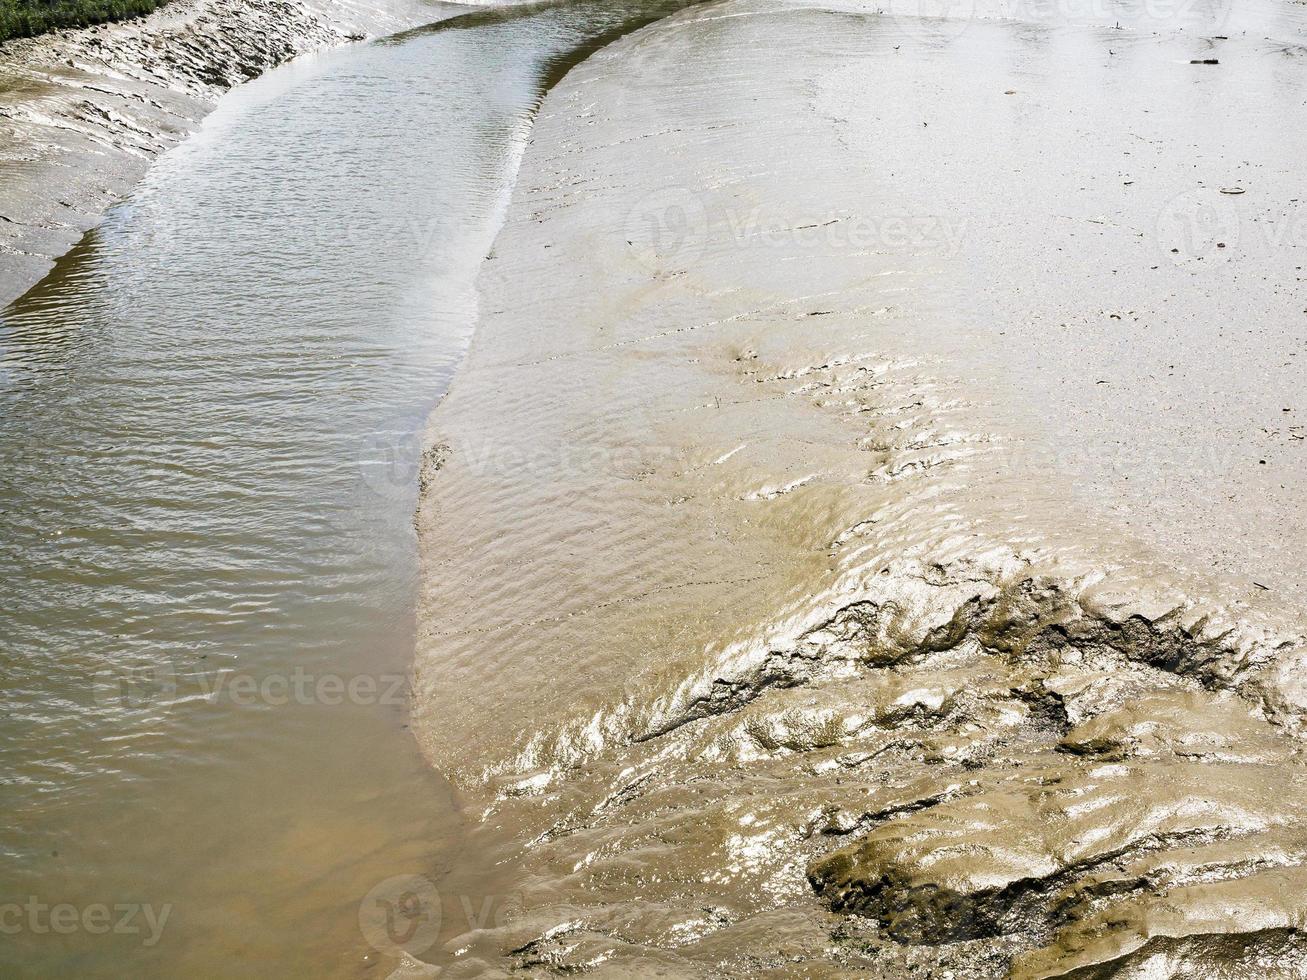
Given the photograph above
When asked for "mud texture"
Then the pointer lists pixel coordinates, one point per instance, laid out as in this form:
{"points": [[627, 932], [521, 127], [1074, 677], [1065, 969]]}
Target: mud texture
{"points": [[759, 632], [84, 112]]}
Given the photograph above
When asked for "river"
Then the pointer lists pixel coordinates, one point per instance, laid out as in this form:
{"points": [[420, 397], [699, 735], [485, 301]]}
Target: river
{"points": [[211, 414]]}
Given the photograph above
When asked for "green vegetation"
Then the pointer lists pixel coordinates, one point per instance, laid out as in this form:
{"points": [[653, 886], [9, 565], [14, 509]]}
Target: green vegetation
{"points": [[23, 18]]}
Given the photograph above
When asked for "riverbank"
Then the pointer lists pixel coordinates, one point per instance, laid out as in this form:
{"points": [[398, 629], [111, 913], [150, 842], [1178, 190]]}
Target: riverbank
{"points": [[32, 18], [83, 113], [849, 546], [211, 416]]}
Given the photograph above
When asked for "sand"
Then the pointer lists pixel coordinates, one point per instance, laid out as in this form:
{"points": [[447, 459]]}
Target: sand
{"points": [[846, 548]]}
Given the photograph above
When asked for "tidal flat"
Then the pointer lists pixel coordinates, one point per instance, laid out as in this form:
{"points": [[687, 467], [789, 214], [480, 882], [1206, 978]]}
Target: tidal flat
{"points": [[862, 539], [749, 488]]}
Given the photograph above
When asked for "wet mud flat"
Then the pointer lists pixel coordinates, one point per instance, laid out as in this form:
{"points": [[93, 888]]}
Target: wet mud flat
{"points": [[84, 112], [787, 610]]}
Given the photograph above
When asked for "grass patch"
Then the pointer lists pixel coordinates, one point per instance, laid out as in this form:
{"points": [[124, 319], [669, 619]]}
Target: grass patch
{"points": [[25, 18]]}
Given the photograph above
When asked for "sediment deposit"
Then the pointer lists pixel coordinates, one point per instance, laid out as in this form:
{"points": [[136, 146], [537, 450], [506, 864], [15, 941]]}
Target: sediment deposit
{"points": [[773, 624]]}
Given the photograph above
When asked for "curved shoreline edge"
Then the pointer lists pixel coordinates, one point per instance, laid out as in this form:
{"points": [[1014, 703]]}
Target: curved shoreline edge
{"points": [[85, 112], [746, 625]]}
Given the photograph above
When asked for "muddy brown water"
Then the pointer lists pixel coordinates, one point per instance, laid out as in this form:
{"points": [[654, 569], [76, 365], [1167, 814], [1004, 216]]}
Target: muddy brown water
{"points": [[210, 414]]}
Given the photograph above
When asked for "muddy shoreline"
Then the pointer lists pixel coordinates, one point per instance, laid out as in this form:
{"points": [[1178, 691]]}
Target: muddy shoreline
{"points": [[768, 627], [779, 616], [84, 112]]}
